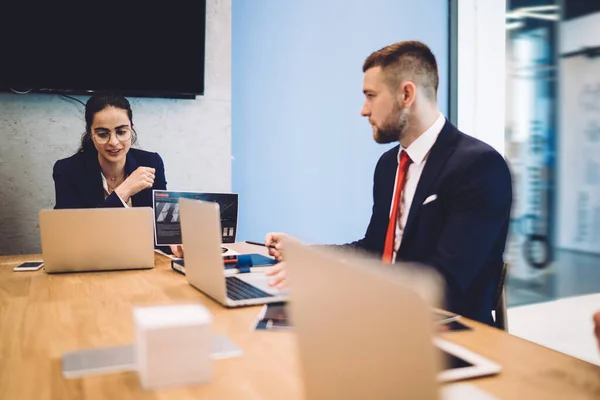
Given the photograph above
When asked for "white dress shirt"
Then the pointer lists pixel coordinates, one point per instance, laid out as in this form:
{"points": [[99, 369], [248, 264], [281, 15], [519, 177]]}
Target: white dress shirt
{"points": [[107, 192], [418, 152]]}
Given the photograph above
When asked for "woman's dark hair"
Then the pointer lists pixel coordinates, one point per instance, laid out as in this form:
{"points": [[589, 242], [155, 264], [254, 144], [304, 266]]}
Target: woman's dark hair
{"points": [[99, 102]]}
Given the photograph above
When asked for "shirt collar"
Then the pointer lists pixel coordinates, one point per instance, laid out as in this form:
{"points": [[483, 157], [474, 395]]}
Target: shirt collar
{"points": [[104, 183], [419, 149]]}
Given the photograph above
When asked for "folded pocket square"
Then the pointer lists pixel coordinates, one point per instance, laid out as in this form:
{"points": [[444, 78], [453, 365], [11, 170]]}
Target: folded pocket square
{"points": [[431, 198]]}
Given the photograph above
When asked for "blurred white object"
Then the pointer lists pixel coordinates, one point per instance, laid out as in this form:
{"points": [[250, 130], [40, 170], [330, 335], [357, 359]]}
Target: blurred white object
{"points": [[109, 360], [103, 360], [173, 345], [464, 391], [563, 325]]}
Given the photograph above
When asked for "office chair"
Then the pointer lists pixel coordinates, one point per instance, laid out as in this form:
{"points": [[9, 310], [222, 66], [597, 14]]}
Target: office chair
{"points": [[500, 314]]}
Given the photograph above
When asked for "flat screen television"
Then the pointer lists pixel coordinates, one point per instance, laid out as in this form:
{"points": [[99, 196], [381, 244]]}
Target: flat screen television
{"points": [[135, 47]]}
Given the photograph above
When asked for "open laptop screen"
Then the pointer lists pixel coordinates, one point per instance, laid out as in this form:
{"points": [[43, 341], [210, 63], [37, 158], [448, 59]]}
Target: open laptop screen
{"points": [[167, 228]]}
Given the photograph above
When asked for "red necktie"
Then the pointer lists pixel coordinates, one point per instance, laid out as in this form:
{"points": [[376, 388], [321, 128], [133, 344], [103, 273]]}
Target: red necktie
{"points": [[388, 250]]}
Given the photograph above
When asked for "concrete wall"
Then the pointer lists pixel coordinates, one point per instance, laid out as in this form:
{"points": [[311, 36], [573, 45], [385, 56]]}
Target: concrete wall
{"points": [[192, 136]]}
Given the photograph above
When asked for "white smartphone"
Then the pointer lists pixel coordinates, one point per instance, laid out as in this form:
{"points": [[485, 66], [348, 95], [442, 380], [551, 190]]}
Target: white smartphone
{"points": [[29, 266]]}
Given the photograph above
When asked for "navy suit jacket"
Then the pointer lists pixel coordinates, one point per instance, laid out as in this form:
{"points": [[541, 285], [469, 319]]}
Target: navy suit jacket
{"points": [[462, 234], [78, 183]]}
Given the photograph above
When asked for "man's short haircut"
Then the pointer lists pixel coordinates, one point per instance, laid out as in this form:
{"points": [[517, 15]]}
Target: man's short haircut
{"points": [[409, 60]]}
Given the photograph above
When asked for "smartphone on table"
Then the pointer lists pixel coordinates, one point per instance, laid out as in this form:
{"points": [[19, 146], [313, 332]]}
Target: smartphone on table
{"points": [[29, 266]]}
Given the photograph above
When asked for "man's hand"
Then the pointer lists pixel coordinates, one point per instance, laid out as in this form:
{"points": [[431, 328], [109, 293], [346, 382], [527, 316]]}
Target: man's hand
{"points": [[277, 271], [274, 243]]}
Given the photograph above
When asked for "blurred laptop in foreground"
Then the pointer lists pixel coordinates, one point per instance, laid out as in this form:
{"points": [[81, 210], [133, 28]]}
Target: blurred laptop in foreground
{"points": [[364, 329]]}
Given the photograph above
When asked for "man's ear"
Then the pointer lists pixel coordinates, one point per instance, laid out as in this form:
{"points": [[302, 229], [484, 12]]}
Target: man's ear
{"points": [[407, 92]]}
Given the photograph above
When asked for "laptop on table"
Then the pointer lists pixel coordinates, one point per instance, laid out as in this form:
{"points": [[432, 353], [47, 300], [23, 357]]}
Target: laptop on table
{"points": [[201, 232], [97, 239], [364, 330]]}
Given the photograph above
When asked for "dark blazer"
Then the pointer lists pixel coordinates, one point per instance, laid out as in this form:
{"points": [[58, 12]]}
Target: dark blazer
{"points": [[462, 234], [78, 183]]}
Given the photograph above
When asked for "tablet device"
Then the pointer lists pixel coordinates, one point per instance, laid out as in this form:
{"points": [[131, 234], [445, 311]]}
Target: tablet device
{"points": [[461, 363]]}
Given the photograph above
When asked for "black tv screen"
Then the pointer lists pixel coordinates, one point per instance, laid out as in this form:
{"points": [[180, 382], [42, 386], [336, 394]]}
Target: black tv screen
{"points": [[142, 48]]}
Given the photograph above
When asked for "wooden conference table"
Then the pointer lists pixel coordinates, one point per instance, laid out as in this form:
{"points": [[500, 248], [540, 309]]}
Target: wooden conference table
{"points": [[43, 316]]}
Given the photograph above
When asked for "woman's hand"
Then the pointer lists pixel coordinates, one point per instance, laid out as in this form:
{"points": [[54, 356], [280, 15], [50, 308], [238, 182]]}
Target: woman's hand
{"points": [[142, 178]]}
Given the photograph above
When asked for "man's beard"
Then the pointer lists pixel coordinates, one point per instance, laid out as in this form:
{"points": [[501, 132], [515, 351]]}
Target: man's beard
{"points": [[394, 128]]}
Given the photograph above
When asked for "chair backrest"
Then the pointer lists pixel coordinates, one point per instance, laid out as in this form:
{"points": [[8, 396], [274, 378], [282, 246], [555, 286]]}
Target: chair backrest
{"points": [[500, 301]]}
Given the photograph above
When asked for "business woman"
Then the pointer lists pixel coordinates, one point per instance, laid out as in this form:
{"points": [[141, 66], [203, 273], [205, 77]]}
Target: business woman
{"points": [[106, 171]]}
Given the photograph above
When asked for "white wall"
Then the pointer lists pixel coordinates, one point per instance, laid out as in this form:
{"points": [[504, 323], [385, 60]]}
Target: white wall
{"points": [[481, 70], [192, 136]]}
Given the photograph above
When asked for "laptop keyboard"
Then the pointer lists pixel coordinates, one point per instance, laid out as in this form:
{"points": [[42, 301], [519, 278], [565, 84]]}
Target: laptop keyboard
{"points": [[237, 289]]}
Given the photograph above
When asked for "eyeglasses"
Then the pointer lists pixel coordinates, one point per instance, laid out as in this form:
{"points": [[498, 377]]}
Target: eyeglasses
{"points": [[122, 134]]}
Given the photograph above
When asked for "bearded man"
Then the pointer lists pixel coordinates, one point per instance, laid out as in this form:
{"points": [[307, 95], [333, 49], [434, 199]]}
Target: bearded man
{"points": [[440, 198]]}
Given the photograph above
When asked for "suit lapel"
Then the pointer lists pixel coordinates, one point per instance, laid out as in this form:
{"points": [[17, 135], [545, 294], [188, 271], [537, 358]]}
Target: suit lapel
{"points": [[440, 152], [389, 178], [131, 165], [93, 179]]}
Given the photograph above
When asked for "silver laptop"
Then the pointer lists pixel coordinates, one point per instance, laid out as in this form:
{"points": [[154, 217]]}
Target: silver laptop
{"points": [[97, 239], [364, 330], [204, 269]]}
